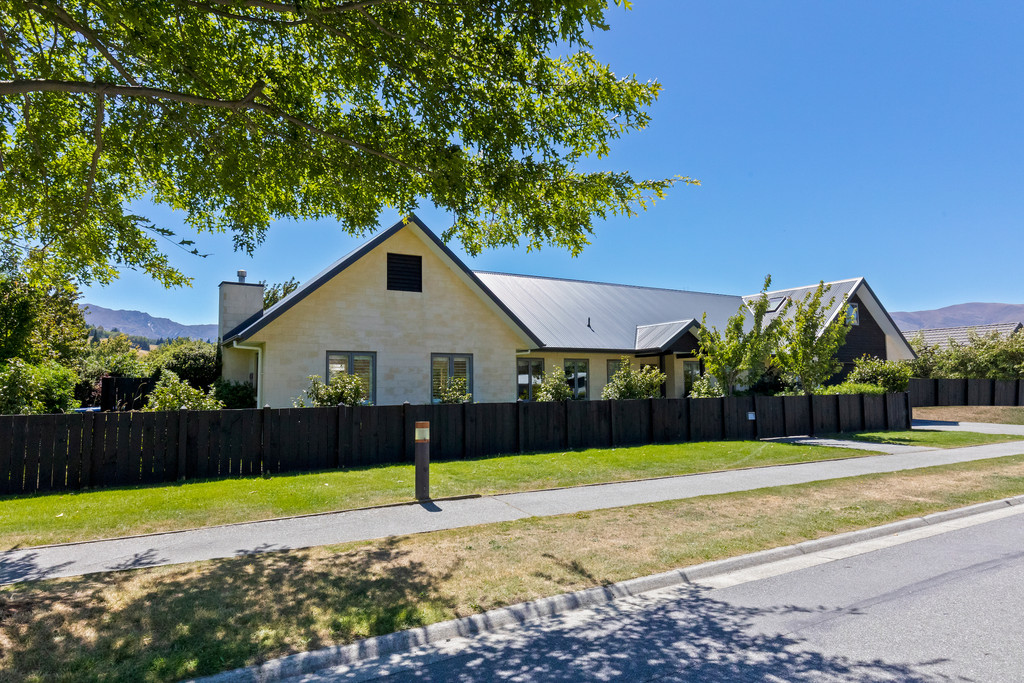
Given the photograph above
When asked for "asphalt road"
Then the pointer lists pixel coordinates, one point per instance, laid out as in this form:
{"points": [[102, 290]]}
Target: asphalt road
{"points": [[944, 608]]}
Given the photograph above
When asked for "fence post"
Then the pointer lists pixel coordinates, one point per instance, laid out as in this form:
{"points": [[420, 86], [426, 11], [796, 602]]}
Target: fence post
{"points": [[182, 441], [910, 415]]}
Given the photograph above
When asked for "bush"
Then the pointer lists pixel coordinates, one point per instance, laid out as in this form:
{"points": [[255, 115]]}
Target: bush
{"points": [[343, 389], [628, 383], [172, 393], [453, 391], [893, 376], [235, 395], [554, 386], [192, 360], [705, 387], [850, 388], [115, 357], [31, 389]]}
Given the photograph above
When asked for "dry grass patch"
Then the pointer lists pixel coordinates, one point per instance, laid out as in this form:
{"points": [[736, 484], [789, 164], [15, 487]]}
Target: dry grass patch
{"points": [[1007, 415], [175, 622]]}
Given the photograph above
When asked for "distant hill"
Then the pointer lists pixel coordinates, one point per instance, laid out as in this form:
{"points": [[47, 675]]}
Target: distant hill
{"points": [[959, 315], [145, 325]]}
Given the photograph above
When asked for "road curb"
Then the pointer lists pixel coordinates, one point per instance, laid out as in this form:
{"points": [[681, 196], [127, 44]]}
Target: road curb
{"points": [[369, 648]]}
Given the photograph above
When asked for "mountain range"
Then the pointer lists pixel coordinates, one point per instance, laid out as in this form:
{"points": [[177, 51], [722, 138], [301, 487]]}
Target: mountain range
{"points": [[145, 325], [959, 315]]}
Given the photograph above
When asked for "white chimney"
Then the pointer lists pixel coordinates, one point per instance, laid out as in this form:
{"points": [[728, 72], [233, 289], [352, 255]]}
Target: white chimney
{"points": [[239, 301]]}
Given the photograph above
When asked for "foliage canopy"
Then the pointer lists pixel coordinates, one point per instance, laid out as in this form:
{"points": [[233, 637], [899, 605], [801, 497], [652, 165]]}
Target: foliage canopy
{"points": [[237, 112]]}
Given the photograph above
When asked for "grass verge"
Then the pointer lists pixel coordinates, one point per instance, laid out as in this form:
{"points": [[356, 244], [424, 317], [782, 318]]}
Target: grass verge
{"points": [[930, 439], [1007, 415], [170, 623], [59, 518]]}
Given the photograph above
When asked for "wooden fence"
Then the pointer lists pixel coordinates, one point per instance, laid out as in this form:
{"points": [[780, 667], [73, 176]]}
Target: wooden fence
{"points": [[965, 392], [62, 452]]}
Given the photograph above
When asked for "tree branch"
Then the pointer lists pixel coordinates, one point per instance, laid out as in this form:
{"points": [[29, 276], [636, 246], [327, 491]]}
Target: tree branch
{"points": [[98, 137], [19, 87], [289, 8], [70, 22]]}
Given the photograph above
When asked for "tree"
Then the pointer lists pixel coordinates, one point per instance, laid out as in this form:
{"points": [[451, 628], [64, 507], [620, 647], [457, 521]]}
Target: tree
{"points": [[40, 322], [238, 112], [808, 353], [628, 383], [277, 291], [761, 342]]}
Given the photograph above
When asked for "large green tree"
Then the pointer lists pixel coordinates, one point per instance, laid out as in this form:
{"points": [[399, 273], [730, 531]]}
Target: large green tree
{"points": [[812, 340], [236, 112]]}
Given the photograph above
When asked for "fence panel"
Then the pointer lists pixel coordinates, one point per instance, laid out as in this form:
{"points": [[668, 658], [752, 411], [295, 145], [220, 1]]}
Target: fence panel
{"points": [[43, 437], [798, 415], [826, 414], [1005, 393], [851, 413], [632, 420], [770, 417], [588, 424], [707, 419], [896, 412], [951, 392], [543, 427], [76, 424], [18, 457], [669, 420], [922, 392], [979, 392], [494, 429], [735, 412], [874, 412]]}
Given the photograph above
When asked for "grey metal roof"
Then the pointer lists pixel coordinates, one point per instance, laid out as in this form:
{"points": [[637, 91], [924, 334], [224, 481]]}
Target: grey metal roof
{"points": [[575, 314], [942, 337], [661, 335], [833, 290]]}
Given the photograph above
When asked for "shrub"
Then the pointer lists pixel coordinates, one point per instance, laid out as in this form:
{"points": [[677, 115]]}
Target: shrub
{"points": [[343, 389], [705, 387], [554, 386], [30, 389], [850, 388], [452, 390], [173, 393], [893, 376], [235, 395], [628, 383], [115, 357], [192, 360]]}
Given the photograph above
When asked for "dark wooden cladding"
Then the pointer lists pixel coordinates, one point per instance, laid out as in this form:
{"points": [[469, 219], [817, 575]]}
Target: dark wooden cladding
{"points": [[68, 452], [951, 392], [980, 392]]}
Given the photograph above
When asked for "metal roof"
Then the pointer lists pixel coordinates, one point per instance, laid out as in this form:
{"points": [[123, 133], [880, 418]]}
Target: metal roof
{"points": [[835, 291], [575, 314], [942, 337], [661, 335]]}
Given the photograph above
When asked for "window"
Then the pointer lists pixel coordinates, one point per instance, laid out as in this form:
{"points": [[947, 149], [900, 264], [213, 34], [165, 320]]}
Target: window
{"points": [[576, 377], [361, 364], [852, 314], [531, 374], [691, 373], [405, 273], [614, 365], [444, 366]]}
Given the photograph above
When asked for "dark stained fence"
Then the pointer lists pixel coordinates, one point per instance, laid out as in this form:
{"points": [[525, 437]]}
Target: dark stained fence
{"points": [[94, 450], [965, 392]]}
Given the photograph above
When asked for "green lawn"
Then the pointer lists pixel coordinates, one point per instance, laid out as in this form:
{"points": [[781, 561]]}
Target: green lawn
{"points": [[182, 621], [59, 518], [929, 439]]}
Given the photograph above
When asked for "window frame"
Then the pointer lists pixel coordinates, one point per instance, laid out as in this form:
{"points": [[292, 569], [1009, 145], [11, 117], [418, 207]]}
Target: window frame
{"points": [[451, 367], [575, 385], [854, 307], [531, 385], [617, 362], [372, 398]]}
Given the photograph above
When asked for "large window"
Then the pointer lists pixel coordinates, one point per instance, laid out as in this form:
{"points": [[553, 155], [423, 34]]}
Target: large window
{"points": [[614, 365], [576, 372], [444, 366], [531, 374], [361, 364], [691, 373]]}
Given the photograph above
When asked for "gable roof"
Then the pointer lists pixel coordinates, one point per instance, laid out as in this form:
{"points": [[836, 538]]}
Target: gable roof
{"points": [[263, 318], [943, 336], [662, 335], [576, 315]]}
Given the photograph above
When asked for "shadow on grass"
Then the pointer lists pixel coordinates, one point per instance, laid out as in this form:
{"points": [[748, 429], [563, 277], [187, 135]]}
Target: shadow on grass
{"points": [[190, 621]]}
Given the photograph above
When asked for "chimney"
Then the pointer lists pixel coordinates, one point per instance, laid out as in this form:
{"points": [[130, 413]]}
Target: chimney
{"points": [[239, 301]]}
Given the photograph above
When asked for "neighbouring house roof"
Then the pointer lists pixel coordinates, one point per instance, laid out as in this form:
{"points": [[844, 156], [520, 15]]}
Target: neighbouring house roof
{"points": [[943, 336], [599, 316]]}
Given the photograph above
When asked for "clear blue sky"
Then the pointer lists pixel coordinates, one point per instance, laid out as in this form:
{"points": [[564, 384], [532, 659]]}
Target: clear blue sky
{"points": [[880, 139]]}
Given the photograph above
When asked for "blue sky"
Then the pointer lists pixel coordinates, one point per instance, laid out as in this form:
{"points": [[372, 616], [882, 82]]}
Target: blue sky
{"points": [[881, 139]]}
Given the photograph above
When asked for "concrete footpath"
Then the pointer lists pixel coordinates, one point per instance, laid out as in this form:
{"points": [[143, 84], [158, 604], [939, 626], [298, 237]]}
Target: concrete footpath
{"points": [[356, 525]]}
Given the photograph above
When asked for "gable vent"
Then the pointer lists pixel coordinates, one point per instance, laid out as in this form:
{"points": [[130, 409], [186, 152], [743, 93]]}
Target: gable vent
{"points": [[405, 273]]}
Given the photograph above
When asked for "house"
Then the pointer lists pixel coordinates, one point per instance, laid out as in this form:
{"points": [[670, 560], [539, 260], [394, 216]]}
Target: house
{"points": [[402, 311], [942, 337]]}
